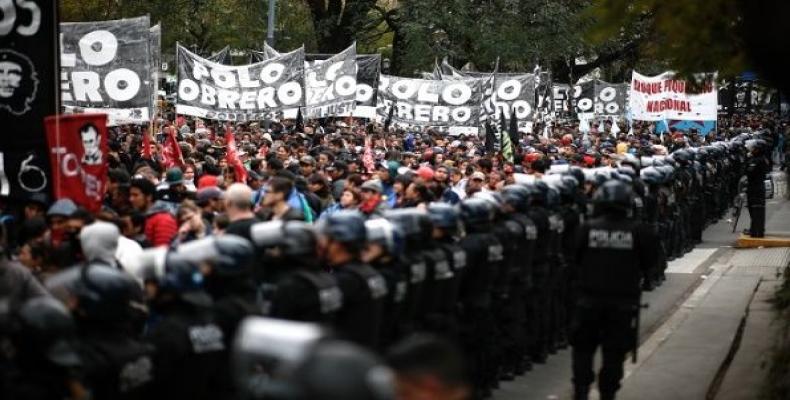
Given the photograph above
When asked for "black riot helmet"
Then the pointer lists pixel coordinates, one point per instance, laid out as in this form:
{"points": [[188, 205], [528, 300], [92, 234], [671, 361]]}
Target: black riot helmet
{"points": [[577, 173], [383, 232], [682, 157], [570, 185], [628, 171], [613, 196], [414, 223], [476, 212], [536, 195], [494, 199], [341, 370], [229, 255], [46, 328], [651, 176], [444, 216], [345, 226], [291, 238], [516, 196], [104, 294], [182, 278]]}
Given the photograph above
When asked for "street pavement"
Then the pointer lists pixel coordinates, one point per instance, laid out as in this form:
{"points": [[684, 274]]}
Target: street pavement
{"points": [[694, 324]]}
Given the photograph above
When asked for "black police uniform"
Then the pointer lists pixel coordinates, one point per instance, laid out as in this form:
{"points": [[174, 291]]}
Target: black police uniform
{"points": [[364, 291], [190, 352], [116, 365], [613, 255], [484, 258], [756, 170], [291, 284], [538, 304]]}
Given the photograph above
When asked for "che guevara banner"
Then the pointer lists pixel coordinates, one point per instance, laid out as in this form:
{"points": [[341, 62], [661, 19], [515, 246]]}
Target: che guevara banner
{"points": [[105, 67], [662, 97], [434, 103], [78, 155], [262, 90]]}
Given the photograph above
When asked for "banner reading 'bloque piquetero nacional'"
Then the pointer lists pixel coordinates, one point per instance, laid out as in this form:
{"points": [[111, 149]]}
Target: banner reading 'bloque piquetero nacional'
{"points": [[661, 97]]}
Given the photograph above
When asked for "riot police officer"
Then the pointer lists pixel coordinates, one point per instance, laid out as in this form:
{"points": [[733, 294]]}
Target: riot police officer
{"points": [[539, 299], [756, 170], [105, 303], [226, 264], [342, 238], [43, 362], [191, 353], [383, 250], [520, 278], [292, 284], [414, 264], [614, 253], [446, 233], [484, 258]]}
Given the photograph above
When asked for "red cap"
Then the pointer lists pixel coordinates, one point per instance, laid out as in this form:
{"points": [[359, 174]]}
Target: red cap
{"points": [[531, 157], [426, 173], [207, 181]]}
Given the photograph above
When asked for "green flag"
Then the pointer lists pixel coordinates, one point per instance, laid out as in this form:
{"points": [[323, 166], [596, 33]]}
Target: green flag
{"points": [[504, 139], [507, 146]]}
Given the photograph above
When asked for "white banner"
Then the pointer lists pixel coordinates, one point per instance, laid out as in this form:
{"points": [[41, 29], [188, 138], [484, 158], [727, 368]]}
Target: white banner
{"points": [[658, 98]]}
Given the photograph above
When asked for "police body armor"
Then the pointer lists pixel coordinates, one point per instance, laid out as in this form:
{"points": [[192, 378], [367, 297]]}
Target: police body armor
{"points": [[612, 261], [190, 354], [415, 270], [303, 295], [397, 289], [525, 251], [364, 291], [456, 257], [440, 276], [116, 366], [540, 219], [510, 235]]}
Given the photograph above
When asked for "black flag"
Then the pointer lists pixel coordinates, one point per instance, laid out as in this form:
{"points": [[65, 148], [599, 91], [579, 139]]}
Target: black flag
{"points": [[299, 120], [388, 121], [490, 138], [514, 135]]}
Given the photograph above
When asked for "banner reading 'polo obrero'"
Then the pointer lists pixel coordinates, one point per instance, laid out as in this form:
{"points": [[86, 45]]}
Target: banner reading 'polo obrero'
{"points": [[239, 93], [105, 67], [430, 102], [331, 85]]}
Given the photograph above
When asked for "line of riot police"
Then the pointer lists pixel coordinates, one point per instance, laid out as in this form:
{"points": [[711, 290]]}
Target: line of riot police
{"points": [[495, 274]]}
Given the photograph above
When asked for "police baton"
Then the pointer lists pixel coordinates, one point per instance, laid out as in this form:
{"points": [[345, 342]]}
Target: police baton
{"points": [[738, 209], [637, 313]]}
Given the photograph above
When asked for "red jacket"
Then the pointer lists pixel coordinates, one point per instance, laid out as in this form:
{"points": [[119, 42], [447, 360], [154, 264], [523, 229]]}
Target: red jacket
{"points": [[160, 227]]}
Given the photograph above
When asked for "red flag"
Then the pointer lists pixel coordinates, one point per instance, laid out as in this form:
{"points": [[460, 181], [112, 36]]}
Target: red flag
{"points": [[232, 156], [367, 158], [78, 153], [171, 153], [146, 144]]}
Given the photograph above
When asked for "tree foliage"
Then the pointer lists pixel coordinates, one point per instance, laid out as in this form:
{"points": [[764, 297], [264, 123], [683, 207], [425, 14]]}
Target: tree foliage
{"points": [[728, 36], [411, 33]]}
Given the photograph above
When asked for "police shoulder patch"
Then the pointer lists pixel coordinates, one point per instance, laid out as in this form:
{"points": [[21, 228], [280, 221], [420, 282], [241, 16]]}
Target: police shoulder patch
{"points": [[206, 338], [610, 239]]}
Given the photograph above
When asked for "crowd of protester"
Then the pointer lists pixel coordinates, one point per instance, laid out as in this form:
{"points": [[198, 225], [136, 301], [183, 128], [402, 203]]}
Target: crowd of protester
{"points": [[305, 172]]}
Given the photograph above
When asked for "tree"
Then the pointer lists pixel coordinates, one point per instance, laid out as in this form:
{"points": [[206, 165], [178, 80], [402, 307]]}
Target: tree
{"points": [[521, 34], [337, 23], [702, 36]]}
